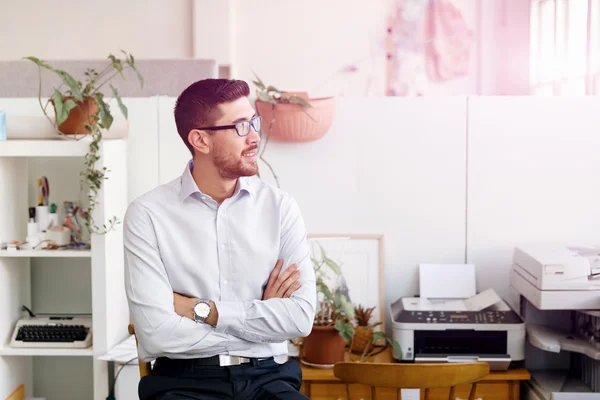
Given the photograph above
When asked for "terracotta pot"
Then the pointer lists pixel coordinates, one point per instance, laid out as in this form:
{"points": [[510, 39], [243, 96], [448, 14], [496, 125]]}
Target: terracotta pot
{"points": [[78, 117], [291, 122], [324, 346]]}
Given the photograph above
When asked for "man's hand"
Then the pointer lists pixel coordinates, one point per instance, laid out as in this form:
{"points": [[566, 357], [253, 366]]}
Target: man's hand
{"points": [[282, 286], [184, 306]]}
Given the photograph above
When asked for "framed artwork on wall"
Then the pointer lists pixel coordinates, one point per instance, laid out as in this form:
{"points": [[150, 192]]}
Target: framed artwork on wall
{"points": [[360, 257]]}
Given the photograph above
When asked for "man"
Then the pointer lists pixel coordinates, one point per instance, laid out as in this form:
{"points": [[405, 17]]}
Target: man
{"points": [[205, 300]]}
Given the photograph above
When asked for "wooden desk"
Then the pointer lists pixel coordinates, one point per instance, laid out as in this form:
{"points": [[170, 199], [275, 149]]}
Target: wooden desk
{"points": [[321, 384]]}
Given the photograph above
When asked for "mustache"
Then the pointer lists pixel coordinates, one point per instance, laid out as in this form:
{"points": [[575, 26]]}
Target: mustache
{"points": [[250, 149]]}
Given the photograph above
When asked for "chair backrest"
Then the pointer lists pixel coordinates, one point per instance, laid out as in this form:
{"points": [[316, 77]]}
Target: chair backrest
{"points": [[18, 394], [411, 376], [144, 366]]}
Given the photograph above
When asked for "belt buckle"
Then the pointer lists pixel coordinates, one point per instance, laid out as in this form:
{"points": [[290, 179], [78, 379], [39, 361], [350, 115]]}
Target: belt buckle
{"points": [[225, 360]]}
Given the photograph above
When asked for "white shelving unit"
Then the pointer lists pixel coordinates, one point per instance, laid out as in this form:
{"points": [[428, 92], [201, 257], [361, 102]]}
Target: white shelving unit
{"points": [[12, 351], [44, 148], [110, 314], [46, 253]]}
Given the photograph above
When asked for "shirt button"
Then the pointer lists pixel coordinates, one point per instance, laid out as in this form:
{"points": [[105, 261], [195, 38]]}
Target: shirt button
{"points": [[224, 282], [222, 246]]}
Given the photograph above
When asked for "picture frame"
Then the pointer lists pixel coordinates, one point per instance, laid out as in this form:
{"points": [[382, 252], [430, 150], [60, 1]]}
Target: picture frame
{"points": [[362, 263]]}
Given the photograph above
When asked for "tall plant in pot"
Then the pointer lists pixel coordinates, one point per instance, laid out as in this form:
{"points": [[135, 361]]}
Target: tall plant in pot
{"points": [[332, 327], [81, 109]]}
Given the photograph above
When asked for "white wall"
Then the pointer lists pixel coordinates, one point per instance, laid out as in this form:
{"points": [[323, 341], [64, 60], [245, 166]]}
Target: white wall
{"points": [[66, 29], [533, 167], [305, 45]]}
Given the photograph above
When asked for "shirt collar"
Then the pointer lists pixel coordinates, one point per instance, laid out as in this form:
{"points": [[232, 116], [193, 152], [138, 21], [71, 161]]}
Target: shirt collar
{"points": [[189, 187]]}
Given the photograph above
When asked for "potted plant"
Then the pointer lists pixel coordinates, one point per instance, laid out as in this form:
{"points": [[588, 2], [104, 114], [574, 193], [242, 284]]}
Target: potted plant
{"points": [[332, 327], [363, 331], [364, 339], [81, 108], [291, 116]]}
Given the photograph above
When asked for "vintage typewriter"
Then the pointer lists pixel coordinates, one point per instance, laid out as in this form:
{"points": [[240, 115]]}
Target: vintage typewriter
{"points": [[63, 332]]}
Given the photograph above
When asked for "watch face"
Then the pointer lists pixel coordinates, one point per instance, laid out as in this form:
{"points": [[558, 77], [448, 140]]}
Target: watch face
{"points": [[202, 310]]}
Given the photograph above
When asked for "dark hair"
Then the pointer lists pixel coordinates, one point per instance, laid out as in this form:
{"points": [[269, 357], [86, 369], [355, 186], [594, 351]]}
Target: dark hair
{"points": [[197, 105]]}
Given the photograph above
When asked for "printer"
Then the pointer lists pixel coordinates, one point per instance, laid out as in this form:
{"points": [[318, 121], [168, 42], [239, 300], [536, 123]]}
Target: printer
{"points": [[556, 289], [554, 277], [481, 327]]}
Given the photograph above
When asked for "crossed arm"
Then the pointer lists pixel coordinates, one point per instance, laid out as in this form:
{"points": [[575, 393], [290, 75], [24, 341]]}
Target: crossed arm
{"points": [[279, 286], [162, 318]]}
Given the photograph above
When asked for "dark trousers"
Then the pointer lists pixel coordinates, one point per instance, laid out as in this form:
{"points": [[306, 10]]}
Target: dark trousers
{"points": [[190, 379]]}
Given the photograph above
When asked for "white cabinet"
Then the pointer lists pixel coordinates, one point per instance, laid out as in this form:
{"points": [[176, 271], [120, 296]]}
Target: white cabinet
{"points": [[87, 282]]}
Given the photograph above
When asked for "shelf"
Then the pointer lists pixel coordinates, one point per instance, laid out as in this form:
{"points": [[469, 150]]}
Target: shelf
{"points": [[551, 340], [46, 253], [24, 127], [547, 382], [42, 351], [44, 148]]}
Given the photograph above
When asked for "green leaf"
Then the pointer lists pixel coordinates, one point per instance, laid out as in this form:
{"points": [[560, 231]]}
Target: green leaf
{"points": [[299, 100], [315, 262], [266, 98], [69, 105], [274, 89], [105, 115], [119, 101], [116, 63], [323, 253], [39, 62], [333, 266], [62, 107], [131, 62], [322, 288], [342, 304], [345, 329], [377, 336], [396, 348], [258, 82], [71, 84], [259, 85], [375, 324]]}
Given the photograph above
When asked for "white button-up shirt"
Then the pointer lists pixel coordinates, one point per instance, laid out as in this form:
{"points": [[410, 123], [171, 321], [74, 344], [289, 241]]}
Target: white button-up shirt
{"points": [[178, 239]]}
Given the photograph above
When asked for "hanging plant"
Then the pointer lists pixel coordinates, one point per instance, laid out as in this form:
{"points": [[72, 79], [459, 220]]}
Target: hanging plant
{"points": [[291, 116], [80, 110]]}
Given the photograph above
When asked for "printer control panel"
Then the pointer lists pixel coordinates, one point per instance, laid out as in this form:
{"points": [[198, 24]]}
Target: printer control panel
{"points": [[460, 317]]}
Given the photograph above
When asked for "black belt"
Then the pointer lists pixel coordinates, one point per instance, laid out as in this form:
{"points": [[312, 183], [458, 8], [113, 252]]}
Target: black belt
{"points": [[214, 361]]}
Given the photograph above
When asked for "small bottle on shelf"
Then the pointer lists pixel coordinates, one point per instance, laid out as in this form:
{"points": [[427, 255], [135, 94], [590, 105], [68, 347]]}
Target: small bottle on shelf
{"points": [[33, 238]]}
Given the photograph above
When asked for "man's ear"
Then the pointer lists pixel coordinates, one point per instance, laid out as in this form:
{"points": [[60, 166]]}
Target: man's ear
{"points": [[199, 140]]}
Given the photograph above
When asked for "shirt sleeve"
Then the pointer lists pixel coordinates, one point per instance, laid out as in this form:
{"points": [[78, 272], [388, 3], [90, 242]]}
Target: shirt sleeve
{"points": [[159, 329], [276, 320]]}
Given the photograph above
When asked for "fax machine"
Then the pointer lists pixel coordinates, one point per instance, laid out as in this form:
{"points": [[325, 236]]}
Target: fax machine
{"points": [[556, 289], [430, 332], [557, 277]]}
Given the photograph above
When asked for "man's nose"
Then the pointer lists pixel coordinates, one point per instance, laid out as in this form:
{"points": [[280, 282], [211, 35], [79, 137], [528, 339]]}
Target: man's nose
{"points": [[253, 136]]}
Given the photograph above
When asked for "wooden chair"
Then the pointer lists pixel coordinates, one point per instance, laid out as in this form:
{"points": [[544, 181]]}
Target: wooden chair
{"points": [[411, 376], [18, 394], [145, 367]]}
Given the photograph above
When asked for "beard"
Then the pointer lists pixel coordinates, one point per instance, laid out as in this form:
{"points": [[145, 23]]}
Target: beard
{"points": [[232, 166]]}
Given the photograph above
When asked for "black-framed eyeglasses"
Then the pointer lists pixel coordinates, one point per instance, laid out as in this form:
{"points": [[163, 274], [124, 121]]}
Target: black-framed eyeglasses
{"points": [[242, 128]]}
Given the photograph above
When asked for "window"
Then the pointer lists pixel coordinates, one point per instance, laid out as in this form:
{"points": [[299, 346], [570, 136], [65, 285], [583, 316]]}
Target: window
{"points": [[565, 47]]}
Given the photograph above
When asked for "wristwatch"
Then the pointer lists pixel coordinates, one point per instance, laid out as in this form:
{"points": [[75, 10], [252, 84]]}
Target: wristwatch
{"points": [[201, 311]]}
